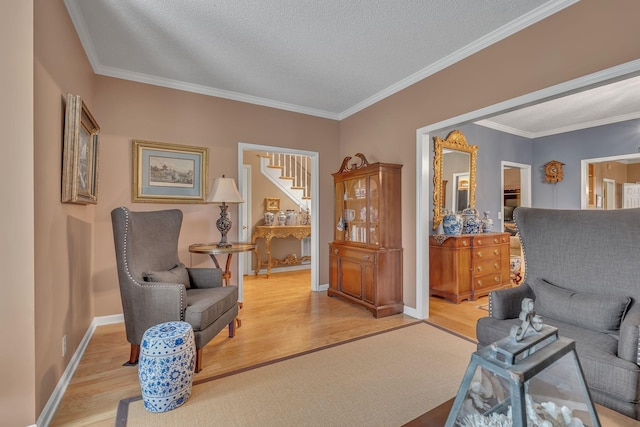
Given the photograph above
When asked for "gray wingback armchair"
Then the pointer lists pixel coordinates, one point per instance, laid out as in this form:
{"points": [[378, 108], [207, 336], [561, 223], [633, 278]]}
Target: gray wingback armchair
{"points": [[582, 272], [155, 287]]}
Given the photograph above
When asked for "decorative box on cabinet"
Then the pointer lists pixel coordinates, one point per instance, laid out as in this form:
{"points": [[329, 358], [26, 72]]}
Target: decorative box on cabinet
{"points": [[365, 258], [468, 266]]}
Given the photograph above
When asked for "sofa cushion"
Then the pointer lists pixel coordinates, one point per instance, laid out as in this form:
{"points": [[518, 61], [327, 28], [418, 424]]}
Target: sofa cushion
{"points": [[598, 312], [177, 274]]}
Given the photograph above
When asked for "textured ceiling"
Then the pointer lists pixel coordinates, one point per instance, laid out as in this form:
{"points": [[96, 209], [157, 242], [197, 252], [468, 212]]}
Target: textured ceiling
{"points": [[603, 105], [328, 58]]}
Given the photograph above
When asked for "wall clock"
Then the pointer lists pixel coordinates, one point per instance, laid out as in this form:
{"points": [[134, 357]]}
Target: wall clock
{"points": [[553, 171]]}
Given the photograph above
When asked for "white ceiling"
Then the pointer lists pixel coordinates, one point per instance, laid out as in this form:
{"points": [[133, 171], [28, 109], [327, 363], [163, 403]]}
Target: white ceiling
{"points": [[328, 58]]}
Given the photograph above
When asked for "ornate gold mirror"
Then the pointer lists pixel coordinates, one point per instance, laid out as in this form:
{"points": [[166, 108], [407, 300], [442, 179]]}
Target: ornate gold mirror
{"points": [[454, 177]]}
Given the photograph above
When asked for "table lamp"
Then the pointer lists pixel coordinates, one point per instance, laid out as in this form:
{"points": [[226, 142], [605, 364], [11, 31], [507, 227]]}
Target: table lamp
{"points": [[224, 191]]}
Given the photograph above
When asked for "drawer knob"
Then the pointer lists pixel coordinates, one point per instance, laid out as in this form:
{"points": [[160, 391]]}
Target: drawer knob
{"points": [[479, 254], [495, 240], [479, 242], [496, 252], [464, 243], [496, 279], [479, 283], [496, 266], [479, 268], [365, 257], [335, 252]]}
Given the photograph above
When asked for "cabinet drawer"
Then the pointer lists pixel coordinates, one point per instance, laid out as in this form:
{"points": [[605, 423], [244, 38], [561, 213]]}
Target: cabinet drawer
{"points": [[487, 281], [451, 242], [488, 253], [490, 240], [487, 266], [356, 254]]}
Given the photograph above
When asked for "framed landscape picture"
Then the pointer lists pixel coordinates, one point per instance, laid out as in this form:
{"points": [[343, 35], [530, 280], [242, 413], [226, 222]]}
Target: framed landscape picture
{"points": [[80, 154], [271, 204], [169, 173]]}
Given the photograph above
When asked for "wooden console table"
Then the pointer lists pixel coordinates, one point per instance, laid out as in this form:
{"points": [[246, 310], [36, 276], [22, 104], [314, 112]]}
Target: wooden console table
{"points": [[268, 232]]}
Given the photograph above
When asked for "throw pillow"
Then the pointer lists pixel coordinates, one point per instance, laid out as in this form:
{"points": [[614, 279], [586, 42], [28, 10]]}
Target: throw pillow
{"points": [[177, 274], [598, 312]]}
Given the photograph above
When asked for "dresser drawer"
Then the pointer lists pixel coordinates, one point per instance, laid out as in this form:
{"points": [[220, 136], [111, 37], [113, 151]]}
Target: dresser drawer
{"points": [[353, 253], [451, 241], [484, 254], [487, 266], [489, 240], [487, 281]]}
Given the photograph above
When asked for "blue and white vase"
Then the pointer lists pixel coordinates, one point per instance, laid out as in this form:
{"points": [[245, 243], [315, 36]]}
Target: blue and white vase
{"points": [[165, 368], [471, 222], [452, 224], [487, 223]]}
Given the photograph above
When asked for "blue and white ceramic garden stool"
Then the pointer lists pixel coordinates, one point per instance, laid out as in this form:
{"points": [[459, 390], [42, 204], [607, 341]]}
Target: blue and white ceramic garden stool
{"points": [[165, 369]]}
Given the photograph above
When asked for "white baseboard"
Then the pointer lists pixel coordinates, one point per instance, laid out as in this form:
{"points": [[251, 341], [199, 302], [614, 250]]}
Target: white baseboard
{"points": [[54, 400]]}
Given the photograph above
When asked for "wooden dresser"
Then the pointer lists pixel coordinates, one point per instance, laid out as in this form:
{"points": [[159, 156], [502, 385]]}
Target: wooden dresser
{"points": [[468, 266]]}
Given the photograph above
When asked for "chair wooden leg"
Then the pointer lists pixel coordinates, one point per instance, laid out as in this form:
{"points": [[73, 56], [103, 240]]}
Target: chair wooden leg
{"points": [[198, 366], [232, 328], [134, 355]]}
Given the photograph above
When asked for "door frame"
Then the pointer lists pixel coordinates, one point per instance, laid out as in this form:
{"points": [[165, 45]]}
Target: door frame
{"points": [[525, 184], [424, 161], [315, 201]]}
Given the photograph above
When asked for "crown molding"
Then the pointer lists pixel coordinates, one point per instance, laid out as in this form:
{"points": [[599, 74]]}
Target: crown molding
{"points": [[578, 126]]}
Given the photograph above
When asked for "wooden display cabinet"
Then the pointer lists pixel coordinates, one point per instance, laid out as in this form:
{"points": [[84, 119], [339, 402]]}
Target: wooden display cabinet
{"points": [[366, 255]]}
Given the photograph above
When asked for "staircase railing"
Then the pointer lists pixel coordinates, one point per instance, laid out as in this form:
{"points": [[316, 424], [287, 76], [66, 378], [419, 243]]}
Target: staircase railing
{"points": [[293, 175]]}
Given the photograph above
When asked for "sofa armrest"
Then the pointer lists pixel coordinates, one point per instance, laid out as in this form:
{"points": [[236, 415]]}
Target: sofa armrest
{"points": [[507, 303], [629, 342], [205, 277]]}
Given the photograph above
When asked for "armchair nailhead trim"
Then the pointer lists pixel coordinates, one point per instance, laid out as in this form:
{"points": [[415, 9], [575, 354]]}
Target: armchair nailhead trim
{"points": [[490, 304], [126, 263], [638, 348]]}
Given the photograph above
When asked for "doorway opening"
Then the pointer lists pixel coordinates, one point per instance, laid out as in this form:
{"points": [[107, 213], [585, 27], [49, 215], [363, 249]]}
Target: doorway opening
{"points": [[610, 182], [245, 210], [424, 160], [516, 191]]}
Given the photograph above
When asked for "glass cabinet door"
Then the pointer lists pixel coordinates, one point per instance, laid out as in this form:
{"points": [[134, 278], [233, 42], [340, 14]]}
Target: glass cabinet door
{"points": [[357, 210], [373, 213]]}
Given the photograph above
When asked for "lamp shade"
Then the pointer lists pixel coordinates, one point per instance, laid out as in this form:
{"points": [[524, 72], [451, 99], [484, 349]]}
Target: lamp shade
{"points": [[224, 191]]}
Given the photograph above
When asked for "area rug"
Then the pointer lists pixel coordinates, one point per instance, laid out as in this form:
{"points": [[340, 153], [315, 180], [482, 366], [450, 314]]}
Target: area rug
{"points": [[384, 379]]}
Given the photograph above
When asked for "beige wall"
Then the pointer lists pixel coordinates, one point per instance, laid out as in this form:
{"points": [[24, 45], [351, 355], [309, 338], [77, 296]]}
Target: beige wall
{"points": [[17, 352], [128, 110], [565, 46], [74, 271], [64, 244]]}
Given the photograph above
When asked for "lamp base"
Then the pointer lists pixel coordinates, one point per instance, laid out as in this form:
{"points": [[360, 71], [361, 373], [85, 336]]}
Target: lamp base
{"points": [[224, 225]]}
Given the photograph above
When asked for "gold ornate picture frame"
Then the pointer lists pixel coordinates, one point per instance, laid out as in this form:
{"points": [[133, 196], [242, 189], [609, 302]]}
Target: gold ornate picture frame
{"points": [[80, 154], [271, 204], [169, 173]]}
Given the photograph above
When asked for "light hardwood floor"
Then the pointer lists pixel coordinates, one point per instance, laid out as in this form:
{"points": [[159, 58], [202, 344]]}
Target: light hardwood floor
{"points": [[280, 317]]}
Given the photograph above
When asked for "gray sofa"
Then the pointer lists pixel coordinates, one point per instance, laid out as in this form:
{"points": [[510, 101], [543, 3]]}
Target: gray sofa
{"points": [[582, 270]]}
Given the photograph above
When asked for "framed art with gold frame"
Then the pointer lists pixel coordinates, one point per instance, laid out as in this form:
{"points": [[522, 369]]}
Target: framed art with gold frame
{"points": [[169, 173], [271, 204], [80, 154]]}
